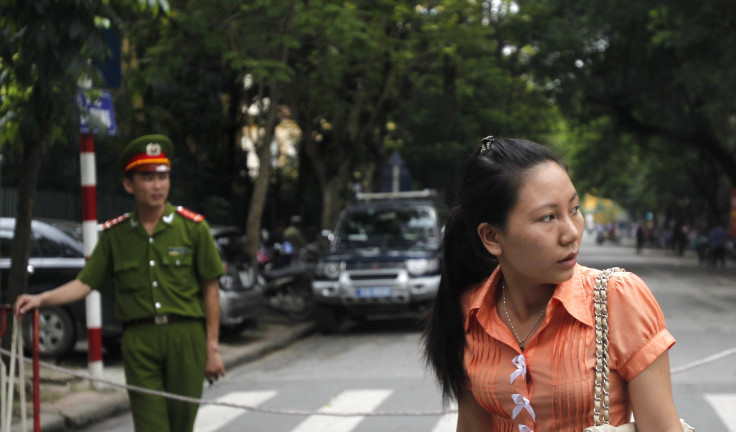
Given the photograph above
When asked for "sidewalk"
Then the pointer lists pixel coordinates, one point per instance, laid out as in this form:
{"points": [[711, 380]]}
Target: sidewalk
{"points": [[69, 402]]}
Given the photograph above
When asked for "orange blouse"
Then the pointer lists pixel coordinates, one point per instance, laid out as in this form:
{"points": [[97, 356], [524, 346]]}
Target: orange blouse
{"points": [[549, 387]]}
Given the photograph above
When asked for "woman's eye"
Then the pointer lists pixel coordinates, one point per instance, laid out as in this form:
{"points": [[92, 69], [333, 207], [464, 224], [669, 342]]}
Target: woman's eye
{"points": [[547, 218], [576, 209]]}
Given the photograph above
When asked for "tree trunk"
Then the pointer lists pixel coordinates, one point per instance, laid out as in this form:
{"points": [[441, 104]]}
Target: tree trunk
{"points": [[21, 246], [332, 189], [260, 187]]}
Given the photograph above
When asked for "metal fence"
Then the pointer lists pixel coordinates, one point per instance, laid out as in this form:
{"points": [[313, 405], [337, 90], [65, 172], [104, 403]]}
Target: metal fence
{"points": [[65, 205]]}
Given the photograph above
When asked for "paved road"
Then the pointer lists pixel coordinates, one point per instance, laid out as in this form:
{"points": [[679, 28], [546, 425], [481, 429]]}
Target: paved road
{"points": [[377, 366], [699, 304]]}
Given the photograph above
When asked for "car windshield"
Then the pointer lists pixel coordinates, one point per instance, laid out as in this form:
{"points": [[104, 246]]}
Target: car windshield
{"points": [[72, 229], [232, 247], [395, 227]]}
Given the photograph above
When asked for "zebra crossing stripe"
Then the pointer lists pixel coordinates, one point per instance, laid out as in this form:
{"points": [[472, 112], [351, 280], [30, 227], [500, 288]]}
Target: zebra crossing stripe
{"points": [[723, 405], [212, 417], [350, 400], [448, 422]]}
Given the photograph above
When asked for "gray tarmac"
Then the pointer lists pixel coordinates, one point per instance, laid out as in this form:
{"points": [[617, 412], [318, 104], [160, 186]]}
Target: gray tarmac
{"points": [[70, 402]]}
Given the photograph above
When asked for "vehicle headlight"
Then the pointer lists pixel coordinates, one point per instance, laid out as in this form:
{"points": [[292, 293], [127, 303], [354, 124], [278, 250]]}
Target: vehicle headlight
{"points": [[247, 278], [227, 282], [330, 269], [420, 266]]}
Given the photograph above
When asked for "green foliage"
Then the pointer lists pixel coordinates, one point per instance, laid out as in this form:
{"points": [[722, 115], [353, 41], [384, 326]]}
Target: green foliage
{"points": [[650, 83], [630, 93], [44, 51], [463, 87], [46, 47]]}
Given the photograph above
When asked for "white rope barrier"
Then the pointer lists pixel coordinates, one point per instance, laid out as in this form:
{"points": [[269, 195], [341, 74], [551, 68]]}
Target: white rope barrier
{"points": [[21, 373], [86, 376], [3, 395], [8, 382]]}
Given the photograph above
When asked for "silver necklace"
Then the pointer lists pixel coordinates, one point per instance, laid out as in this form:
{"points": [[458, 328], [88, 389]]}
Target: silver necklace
{"points": [[511, 323]]}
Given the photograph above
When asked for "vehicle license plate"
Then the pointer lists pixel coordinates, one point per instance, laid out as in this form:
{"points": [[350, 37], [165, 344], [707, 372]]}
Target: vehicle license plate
{"points": [[370, 292], [245, 280]]}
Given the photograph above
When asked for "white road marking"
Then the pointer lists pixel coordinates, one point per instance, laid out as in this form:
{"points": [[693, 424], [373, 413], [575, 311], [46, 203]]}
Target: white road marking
{"points": [[347, 401], [725, 406], [212, 417], [448, 422]]}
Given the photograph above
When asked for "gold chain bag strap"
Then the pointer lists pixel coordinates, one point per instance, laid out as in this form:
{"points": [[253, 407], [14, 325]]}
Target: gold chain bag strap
{"points": [[601, 399]]}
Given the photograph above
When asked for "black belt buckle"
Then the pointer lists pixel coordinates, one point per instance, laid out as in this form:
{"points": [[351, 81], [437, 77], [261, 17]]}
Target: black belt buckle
{"points": [[161, 319]]}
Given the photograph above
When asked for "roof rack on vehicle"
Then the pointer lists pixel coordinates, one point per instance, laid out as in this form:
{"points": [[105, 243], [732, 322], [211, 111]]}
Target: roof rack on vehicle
{"points": [[377, 196]]}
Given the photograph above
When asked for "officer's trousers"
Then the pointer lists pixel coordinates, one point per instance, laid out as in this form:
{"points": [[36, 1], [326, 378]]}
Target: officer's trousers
{"points": [[169, 358]]}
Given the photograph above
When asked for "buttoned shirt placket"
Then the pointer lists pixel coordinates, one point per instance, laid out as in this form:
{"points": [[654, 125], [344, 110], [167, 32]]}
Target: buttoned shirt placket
{"points": [[523, 403], [154, 266], [153, 273]]}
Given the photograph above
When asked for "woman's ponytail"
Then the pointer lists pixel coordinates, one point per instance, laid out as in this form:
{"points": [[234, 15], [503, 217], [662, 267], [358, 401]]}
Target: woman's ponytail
{"points": [[445, 333], [488, 192]]}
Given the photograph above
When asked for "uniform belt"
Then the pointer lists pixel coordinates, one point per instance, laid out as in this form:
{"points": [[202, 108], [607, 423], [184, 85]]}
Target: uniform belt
{"points": [[161, 319]]}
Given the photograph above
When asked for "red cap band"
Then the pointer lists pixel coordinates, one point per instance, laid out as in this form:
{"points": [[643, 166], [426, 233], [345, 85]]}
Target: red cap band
{"points": [[145, 159]]}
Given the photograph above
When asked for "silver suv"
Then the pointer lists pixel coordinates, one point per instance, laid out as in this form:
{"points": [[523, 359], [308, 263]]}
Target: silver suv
{"points": [[384, 259]]}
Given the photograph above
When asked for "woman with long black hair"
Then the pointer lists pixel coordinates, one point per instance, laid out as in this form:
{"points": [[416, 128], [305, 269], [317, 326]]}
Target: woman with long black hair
{"points": [[512, 334]]}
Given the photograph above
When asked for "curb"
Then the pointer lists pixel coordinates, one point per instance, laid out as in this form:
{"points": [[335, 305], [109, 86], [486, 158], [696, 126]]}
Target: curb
{"points": [[259, 349], [84, 408]]}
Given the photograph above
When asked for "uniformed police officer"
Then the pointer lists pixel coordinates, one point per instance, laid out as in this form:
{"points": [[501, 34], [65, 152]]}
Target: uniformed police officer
{"points": [[165, 267]]}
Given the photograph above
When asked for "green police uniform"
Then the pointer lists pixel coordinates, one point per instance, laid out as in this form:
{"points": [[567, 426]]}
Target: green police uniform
{"points": [[158, 281], [159, 275]]}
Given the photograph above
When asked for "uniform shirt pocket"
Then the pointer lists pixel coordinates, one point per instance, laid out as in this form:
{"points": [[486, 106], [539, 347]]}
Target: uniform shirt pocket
{"points": [[128, 276], [178, 268]]}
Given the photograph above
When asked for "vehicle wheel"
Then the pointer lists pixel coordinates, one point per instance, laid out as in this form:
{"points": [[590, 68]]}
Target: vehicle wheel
{"points": [[327, 318], [112, 346], [56, 332], [235, 330], [299, 304]]}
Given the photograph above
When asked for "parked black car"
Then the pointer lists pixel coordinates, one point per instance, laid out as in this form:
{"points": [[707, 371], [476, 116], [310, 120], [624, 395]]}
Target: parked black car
{"points": [[57, 256]]}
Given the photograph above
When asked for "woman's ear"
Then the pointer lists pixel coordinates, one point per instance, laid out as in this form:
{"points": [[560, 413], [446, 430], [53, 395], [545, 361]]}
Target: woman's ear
{"points": [[489, 237]]}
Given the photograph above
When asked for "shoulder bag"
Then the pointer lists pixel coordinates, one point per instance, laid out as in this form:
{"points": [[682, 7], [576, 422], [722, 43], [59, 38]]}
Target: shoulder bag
{"points": [[600, 402]]}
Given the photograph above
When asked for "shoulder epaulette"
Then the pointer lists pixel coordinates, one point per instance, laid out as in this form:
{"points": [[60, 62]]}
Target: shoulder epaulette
{"points": [[112, 222], [196, 217]]}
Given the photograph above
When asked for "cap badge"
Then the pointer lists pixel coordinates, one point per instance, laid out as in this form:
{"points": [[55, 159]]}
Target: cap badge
{"points": [[153, 149]]}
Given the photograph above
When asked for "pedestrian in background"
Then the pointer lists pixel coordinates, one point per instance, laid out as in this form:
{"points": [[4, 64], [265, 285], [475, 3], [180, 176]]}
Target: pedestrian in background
{"points": [[640, 237], [165, 267], [293, 233], [512, 333], [717, 240]]}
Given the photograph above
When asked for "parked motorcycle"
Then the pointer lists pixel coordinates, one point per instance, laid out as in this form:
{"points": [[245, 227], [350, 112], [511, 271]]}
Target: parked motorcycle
{"points": [[287, 278]]}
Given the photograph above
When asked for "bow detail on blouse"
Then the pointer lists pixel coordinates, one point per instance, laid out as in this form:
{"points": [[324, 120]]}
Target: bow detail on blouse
{"points": [[521, 404], [520, 363]]}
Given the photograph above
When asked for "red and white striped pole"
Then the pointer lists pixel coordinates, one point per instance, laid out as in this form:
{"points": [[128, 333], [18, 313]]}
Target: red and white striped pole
{"points": [[89, 229]]}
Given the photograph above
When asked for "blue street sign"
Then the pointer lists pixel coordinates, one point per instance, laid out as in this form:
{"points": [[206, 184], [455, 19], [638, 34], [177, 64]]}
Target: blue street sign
{"points": [[96, 114], [110, 67]]}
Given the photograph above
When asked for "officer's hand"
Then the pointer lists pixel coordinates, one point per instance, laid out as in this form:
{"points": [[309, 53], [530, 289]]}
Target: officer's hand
{"points": [[26, 302], [214, 368]]}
